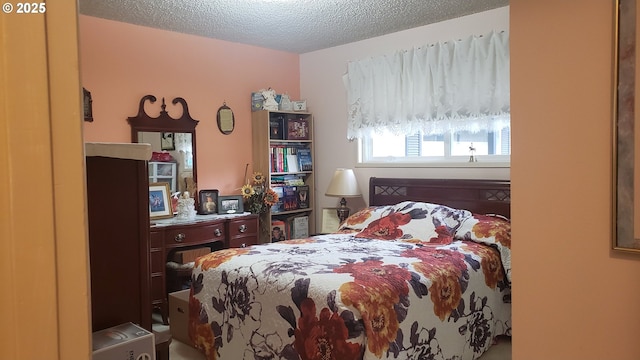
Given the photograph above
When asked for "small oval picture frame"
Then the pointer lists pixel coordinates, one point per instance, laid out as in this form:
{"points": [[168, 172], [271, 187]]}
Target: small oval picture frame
{"points": [[226, 120]]}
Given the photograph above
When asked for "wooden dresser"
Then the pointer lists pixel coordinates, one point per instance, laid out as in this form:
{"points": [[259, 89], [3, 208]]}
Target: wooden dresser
{"points": [[118, 216], [215, 231]]}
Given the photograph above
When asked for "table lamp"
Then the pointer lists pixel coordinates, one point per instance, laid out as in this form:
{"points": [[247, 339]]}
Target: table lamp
{"points": [[343, 184]]}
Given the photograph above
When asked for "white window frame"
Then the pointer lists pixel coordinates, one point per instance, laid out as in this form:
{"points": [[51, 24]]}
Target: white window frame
{"points": [[483, 161]]}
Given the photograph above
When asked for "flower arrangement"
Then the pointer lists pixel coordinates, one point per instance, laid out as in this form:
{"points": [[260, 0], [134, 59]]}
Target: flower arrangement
{"points": [[257, 196]]}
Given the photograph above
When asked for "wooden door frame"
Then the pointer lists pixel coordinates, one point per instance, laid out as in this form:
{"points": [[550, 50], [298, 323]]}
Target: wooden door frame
{"points": [[43, 252]]}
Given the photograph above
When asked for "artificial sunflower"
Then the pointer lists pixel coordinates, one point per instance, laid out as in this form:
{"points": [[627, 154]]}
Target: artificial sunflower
{"points": [[258, 197], [247, 191]]}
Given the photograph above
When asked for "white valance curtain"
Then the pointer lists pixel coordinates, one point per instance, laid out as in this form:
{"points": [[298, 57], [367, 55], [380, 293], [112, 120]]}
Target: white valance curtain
{"points": [[449, 86]]}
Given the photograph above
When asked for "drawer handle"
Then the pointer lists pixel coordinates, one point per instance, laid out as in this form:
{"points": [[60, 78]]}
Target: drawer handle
{"points": [[180, 237], [242, 228], [243, 245], [217, 232]]}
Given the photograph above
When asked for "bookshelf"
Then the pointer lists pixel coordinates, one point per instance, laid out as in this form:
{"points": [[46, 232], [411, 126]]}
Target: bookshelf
{"points": [[283, 152]]}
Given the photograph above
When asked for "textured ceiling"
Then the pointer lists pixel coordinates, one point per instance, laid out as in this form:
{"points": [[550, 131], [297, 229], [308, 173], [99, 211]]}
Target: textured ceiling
{"points": [[297, 26]]}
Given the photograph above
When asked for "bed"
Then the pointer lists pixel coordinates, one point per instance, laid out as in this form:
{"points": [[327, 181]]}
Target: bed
{"points": [[422, 273]]}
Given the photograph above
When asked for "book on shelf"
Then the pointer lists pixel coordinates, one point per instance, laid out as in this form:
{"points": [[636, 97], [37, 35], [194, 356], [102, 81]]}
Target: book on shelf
{"points": [[303, 196], [297, 227], [286, 158], [287, 179], [276, 127], [293, 180], [279, 205], [305, 162], [278, 230], [290, 198], [298, 129], [292, 163]]}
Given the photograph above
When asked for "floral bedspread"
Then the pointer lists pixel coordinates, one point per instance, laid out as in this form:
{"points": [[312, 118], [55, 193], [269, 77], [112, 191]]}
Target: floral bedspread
{"points": [[378, 289]]}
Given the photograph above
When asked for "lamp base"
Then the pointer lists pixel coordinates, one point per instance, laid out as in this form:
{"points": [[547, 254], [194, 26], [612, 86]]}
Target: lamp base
{"points": [[343, 211]]}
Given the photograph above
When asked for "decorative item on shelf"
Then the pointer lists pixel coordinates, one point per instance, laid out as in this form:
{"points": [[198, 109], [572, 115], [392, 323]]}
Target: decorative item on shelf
{"points": [[285, 103], [207, 202], [226, 121], [269, 102], [343, 184], [300, 105], [257, 196], [472, 151], [256, 101]]}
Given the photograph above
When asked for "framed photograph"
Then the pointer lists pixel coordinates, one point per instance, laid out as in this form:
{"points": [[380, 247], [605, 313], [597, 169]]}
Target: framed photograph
{"points": [[300, 105], [330, 220], [207, 202], [159, 202], [230, 204], [167, 141]]}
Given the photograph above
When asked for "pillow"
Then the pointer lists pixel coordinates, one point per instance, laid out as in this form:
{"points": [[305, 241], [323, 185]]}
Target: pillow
{"points": [[415, 222], [494, 230], [361, 219]]}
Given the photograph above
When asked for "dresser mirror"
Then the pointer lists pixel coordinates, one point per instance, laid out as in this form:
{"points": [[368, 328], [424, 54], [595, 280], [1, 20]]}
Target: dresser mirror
{"points": [[173, 142]]}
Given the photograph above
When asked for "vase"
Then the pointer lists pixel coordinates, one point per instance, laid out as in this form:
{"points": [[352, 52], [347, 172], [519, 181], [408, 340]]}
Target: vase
{"points": [[264, 229]]}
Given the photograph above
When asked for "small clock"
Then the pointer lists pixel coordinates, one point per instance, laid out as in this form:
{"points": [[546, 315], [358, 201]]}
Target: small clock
{"points": [[300, 105]]}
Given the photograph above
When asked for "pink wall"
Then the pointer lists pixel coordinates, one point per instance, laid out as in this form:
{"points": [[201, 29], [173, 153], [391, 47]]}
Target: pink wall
{"points": [[120, 63], [573, 298]]}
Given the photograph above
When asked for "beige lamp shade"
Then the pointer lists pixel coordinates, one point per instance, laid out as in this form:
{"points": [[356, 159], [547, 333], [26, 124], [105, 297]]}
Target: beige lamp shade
{"points": [[343, 184]]}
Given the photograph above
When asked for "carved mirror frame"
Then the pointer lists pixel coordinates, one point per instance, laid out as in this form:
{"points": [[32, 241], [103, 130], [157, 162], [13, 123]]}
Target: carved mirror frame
{"points": [[165, 123]]}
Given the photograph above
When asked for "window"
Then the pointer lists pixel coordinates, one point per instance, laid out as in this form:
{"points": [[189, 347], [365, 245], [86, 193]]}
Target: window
{"points": [[453, 147], [443, 88]]}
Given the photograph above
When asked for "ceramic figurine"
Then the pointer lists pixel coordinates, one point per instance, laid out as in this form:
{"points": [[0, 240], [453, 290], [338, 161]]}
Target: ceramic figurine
{"points": [[270, 102], [285, 103]]}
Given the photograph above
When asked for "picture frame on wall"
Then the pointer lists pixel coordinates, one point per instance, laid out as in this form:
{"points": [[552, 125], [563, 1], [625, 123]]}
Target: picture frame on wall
{"points": [[625, 199], [167, 141], [87, 105], [230, 204], [160, 206], [207, 202]]}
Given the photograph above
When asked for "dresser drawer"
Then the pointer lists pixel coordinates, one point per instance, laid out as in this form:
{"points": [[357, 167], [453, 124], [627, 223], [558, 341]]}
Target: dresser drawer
{"points": [[243, 227], [194, 235], [155, 239], [241, 242], [157, 260], [157, 288]]}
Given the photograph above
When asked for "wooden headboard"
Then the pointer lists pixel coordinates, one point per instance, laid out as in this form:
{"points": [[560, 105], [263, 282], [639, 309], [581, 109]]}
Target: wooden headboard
{"points": [[477, 196]]}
